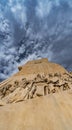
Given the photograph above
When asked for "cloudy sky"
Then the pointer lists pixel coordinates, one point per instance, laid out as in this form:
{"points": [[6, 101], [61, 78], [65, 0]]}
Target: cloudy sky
{"points": [[32, 29]]}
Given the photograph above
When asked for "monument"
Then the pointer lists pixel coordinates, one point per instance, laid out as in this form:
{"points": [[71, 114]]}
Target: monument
{"points": [[38, 97]]}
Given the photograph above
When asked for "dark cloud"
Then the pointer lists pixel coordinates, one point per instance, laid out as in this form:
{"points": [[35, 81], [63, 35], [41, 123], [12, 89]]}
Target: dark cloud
{"points": [[31, 29]]}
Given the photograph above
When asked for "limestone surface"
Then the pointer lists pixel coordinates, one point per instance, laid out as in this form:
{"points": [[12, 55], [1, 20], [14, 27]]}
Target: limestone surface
{"points": [[38, 97]]}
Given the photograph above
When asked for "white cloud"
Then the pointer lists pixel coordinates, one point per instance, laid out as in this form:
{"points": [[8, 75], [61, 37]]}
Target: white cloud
{"points": [[15, 8], [22, 49], [57, 2], [70, 3], [43, 8], [19, 11]]}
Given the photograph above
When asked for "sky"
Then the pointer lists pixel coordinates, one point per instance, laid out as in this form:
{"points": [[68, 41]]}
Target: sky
{"points": [[33, 29]]}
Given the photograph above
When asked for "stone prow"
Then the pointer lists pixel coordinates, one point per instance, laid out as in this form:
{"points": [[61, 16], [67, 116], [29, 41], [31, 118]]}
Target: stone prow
{"points": [[33, 62], [40, 66]]}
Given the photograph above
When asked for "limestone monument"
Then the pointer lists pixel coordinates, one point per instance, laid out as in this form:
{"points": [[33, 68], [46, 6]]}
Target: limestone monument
{"points": [[38, 97]]}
